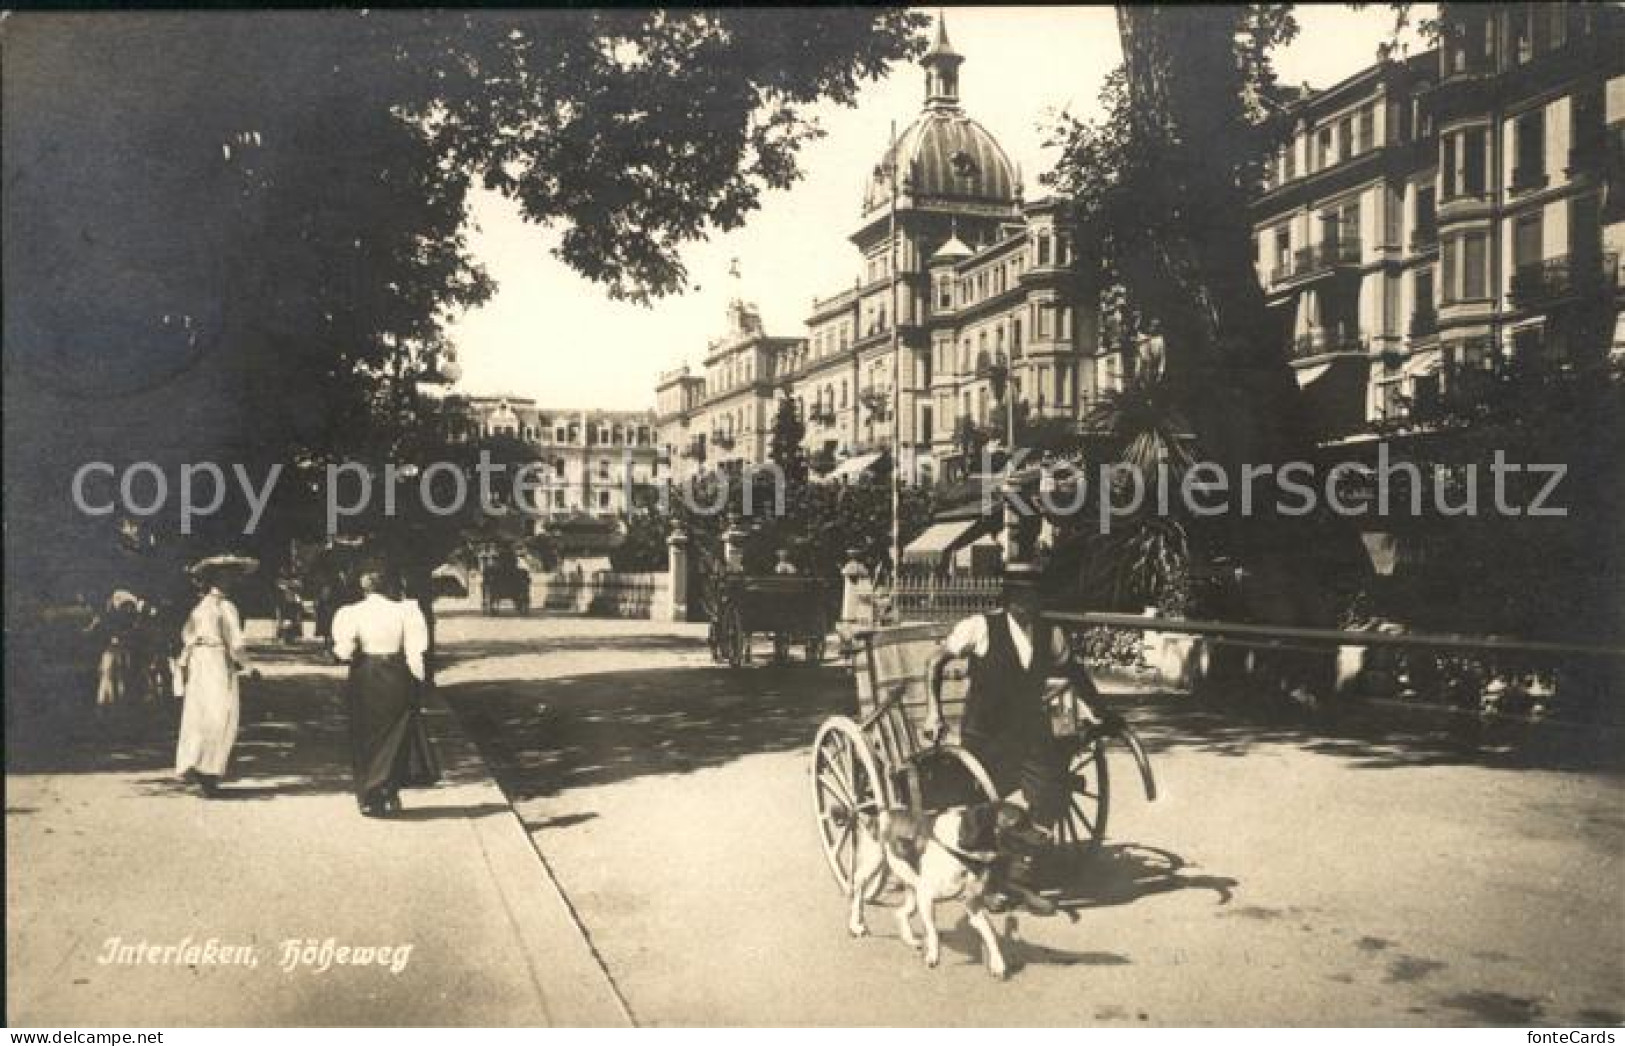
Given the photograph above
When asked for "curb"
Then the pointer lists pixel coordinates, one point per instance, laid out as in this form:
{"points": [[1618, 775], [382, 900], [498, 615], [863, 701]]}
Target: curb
{"points": [[570, 978]]}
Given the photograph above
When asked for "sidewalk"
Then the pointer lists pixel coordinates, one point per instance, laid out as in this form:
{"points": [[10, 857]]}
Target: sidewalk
{"points": [[102, 843]]}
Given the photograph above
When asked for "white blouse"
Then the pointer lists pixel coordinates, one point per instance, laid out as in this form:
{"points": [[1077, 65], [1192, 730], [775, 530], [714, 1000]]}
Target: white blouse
{"points": [[379, 626]]}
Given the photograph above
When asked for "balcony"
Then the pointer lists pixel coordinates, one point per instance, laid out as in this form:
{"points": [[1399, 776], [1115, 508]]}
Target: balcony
{"points": [[821, 415], [1424, 238], [723, 441], [1309, 262], [1327, 342], [1545, 283], [1424, 323]]}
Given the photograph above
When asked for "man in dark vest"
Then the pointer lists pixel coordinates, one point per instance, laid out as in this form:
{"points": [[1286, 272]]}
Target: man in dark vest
{"points": [[1007, 722]]}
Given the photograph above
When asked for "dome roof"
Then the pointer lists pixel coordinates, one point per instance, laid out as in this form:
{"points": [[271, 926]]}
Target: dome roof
{"points": [[944, 155]]}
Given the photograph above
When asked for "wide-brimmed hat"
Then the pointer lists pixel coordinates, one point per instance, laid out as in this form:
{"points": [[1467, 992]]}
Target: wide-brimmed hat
{"points": [[219, 569]]}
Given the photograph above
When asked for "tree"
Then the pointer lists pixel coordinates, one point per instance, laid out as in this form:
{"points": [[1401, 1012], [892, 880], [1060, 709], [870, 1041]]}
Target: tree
{"points": [[244, 245], [969, 440], [1161, 184], [785, 447]]}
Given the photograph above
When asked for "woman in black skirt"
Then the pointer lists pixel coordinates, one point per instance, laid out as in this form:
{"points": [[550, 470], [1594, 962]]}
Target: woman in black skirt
{"points": [[384, 639]]}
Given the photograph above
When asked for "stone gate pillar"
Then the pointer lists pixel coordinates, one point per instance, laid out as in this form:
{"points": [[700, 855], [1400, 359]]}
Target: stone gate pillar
{"points": [[733, 546], [677, 575]]}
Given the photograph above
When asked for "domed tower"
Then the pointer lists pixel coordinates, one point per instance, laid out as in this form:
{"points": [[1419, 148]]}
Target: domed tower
{"points": [[943, 190], [944, 164]]}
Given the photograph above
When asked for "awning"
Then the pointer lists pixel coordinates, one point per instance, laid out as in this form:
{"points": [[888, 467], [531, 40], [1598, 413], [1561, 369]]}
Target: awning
{"points": [[1306, 375], [938, 540], [854, 467]]}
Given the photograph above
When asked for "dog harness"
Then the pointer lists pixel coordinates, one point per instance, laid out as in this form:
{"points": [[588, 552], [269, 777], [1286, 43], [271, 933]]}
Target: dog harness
{"points": [[982, 859]]}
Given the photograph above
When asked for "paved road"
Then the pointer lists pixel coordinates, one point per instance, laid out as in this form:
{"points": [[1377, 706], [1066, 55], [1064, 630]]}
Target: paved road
{"points": [[1285, 876], [103, 843]]}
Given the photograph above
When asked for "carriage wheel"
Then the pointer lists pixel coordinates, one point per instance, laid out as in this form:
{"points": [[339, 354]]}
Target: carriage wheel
{"points": [[1089, 790], [846, 787]]}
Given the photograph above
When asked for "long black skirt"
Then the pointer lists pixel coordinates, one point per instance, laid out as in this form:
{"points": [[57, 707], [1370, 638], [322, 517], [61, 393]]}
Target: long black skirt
{"points": [[389, 748]]}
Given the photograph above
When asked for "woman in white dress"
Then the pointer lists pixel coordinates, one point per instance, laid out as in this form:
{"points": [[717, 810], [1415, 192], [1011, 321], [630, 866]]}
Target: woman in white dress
{"points": [[213, 655]]}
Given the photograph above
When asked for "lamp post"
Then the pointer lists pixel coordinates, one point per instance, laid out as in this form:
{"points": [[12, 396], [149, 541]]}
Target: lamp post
{"points": [[896, 363]]}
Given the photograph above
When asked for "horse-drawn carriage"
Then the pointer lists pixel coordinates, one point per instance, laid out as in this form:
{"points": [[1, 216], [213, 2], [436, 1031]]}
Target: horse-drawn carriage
{"points": [[881, 759], [791, 609], [505, 582]]}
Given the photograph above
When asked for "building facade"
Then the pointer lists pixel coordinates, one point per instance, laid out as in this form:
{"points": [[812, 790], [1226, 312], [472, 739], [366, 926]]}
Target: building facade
{"points": [[1432, 215], [589, 459], [966, 296]]}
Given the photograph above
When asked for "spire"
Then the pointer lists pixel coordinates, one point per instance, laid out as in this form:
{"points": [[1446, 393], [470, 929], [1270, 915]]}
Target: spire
{"points": [[942, 69], [941, 46]]}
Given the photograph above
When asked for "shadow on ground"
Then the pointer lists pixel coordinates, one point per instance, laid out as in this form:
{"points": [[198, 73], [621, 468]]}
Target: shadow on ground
{"points": [[544, 737], [293, 738], [1371, 737]]}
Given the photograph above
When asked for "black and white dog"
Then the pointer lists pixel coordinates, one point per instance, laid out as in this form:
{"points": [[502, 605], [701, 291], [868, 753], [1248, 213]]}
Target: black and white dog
{"points": [[967, 851]]}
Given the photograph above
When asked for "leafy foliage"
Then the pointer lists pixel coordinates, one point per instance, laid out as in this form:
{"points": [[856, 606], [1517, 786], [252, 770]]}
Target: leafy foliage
{"points": [[785, 447], [244, 245]]}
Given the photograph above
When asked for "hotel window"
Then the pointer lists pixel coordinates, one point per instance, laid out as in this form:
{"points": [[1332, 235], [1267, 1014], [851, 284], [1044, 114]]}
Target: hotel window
{"points": [[1345, 138], [1475, 259], [1427, 217], [1463, 163], [1367, 136], [1462, 260], [1526, 239], [1467, 49], [1390, 305], [1015, 337], [1323, 149], [1289, 162], [925, 423], [1043, 249], [1529, 150], [1283, 251], [1422, 302], [1046, 322], [1393, 217], [603, 499]]}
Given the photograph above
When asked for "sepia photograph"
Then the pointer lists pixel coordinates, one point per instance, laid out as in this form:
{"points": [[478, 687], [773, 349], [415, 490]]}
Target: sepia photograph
{"points": [[1099, 517]]}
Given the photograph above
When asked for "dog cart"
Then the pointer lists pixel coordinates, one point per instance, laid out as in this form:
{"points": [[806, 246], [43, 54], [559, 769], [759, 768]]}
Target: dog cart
{"points": [[881, 759], [792, 610]]}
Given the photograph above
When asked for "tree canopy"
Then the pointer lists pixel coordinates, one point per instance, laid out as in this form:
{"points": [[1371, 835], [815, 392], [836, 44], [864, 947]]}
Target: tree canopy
{"points": [[240, 238]]}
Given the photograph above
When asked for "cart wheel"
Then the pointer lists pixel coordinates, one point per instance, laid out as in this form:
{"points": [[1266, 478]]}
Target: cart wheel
{"points": [[846, 788], [1089, 781]]}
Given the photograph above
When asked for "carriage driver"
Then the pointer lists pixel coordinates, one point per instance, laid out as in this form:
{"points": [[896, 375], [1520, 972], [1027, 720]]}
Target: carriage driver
{"points": [[1007, 722]]}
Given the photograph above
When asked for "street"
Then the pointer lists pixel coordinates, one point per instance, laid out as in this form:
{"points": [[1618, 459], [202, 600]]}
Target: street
{"points": [[1283, 876], [672, 874]]}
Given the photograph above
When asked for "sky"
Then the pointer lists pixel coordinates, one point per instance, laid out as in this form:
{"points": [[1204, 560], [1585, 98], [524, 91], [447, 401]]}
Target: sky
{"points": [[553, 336]]}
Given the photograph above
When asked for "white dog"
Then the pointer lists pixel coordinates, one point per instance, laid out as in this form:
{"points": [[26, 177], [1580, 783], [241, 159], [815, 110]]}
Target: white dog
{"points": [[938, 857]]}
